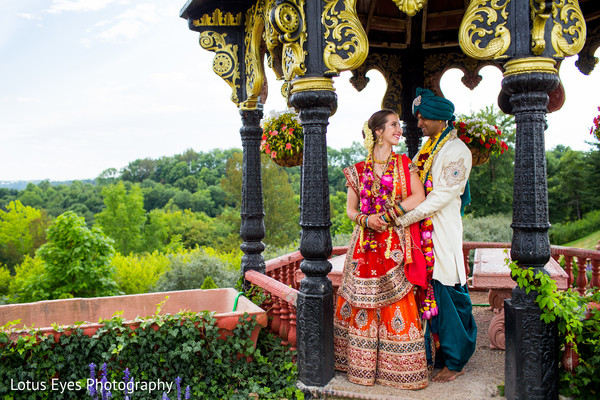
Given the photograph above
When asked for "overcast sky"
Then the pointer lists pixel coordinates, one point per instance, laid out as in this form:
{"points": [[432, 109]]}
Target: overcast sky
{"points": [[87, 85]]}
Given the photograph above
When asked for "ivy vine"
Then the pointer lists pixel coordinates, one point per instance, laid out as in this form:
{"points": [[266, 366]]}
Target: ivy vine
{"points": [[578, 325]]}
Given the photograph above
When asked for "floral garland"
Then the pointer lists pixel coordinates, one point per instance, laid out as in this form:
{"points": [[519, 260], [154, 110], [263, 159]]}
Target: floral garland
{"points": [[373, 204], [429, 306]]}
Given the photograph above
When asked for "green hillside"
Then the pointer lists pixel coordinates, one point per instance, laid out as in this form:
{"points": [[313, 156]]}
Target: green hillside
{"points": [[588, 242]]}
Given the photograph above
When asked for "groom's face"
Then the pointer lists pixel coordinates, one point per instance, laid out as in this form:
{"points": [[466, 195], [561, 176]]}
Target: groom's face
{"points": [[430, 127]]}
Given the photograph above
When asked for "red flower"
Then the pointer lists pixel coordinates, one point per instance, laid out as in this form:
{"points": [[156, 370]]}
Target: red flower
{"points": [[493, 140], [481, 141], [462, 124], [487, 145], [288, 146]]}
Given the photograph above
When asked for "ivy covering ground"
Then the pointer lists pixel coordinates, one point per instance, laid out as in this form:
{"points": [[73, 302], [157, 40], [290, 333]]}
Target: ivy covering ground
{"points": [[164, 348]]}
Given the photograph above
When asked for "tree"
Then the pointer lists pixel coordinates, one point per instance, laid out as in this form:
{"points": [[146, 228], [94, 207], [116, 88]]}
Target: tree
{"points": [[22, 231], [280, 202], [124, 216], [566, 182], [76, 260]]}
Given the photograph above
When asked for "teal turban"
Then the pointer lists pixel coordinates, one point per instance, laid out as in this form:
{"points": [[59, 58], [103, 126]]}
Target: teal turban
{"points": [[432, 107]]}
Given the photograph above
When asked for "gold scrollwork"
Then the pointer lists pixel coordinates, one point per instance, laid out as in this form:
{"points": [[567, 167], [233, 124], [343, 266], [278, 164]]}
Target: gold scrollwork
{"points": [[289, 22], [474, 22], [343, 32], [219, 19], [410, 7], [568, 19], [225, 63], [253, 58], [539, 16]]}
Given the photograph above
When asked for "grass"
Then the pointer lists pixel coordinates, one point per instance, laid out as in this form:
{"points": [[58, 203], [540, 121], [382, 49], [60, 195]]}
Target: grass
{"points": [[587, 242]]}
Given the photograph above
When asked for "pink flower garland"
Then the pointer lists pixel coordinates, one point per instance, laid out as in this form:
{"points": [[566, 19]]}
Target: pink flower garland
{"points": [[370, 204]]}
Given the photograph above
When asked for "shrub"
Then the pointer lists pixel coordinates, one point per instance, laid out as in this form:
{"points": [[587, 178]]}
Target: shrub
{"points": [[26, 286], [188, 270], [491, 228], [569, 231], [138, 273]]}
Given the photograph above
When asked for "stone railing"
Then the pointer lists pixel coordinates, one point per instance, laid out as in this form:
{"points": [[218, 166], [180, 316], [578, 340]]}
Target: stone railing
{"points": [[281, 280]]}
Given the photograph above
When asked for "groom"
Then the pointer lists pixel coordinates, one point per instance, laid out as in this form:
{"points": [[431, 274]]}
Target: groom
{"points": [[444, 164]]}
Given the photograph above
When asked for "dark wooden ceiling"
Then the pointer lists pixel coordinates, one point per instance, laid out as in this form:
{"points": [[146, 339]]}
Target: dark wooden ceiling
{"points": [[388, 27]]}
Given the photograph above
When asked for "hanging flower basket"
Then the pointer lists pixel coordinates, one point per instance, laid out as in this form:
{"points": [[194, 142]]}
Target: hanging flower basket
{"points": [[283, 139], [479, 155], [481, 138]]}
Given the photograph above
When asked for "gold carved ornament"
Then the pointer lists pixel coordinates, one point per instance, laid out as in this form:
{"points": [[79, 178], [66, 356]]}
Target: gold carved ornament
{"points": [[528, 65], [225, 63], [573, 24], [410, 7], [255, 74], [219, 19], [343, 32], [289, 21], [539, 17], [479, 14]]}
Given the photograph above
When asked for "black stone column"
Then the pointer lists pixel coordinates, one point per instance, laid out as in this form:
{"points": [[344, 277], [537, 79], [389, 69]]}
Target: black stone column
{"points": [[315, 300], [252, 229], [531, 368]]}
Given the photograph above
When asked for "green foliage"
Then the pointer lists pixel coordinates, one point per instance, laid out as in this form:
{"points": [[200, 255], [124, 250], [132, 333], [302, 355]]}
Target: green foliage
{"points": [[76, 260], [587, 242], [163, 347], [209, 283], [28, 284], [124, 216], [578, 324], [138, 273], [22, 231], [489, 228], [340, 223], [566, 179], [569, 231], [280, 203], [189, 269], [5, 279]]}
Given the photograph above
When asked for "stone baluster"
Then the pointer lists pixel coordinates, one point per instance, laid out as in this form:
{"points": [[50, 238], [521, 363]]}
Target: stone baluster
{"points": [[596, 273], [569, 270], [582, 280], [292, 333], [276, 322]]}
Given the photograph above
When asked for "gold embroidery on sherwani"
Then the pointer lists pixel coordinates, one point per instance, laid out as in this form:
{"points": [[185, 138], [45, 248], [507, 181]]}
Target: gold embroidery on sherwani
{"points": [[455, 172]]}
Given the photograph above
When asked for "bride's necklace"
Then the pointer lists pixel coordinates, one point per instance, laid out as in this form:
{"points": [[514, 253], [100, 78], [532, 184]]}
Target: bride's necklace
{"points": [[381, 161]]}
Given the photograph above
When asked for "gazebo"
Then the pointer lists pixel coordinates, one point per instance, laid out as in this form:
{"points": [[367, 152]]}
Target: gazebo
{"points": [[412, 43]]}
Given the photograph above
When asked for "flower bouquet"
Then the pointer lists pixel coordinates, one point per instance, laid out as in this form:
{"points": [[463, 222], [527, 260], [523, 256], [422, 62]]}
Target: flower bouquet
{"points": [[481, 138], [595, 129], [283, 139]]}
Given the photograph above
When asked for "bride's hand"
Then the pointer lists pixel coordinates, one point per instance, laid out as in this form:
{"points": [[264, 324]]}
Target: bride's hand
{"points": [[376, 223]]}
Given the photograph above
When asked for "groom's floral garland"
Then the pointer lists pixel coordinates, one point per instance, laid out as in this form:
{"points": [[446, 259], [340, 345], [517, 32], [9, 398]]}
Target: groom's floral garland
{"points": [[429, 306]]}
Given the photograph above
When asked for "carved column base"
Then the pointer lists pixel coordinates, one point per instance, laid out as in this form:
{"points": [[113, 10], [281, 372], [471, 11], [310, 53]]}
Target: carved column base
{"points": [[531, 350], [315, 338]]}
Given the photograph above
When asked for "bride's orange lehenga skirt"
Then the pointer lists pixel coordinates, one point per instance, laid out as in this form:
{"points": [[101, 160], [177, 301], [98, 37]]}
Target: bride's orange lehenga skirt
{"points": [[383, 345]]}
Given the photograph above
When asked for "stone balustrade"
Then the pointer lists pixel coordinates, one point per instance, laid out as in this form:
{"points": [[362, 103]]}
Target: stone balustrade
{"points": [[280, 280]]}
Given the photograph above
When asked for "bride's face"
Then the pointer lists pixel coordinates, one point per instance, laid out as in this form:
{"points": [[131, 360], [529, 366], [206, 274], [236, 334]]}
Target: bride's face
{"points": [[392, 130]]}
